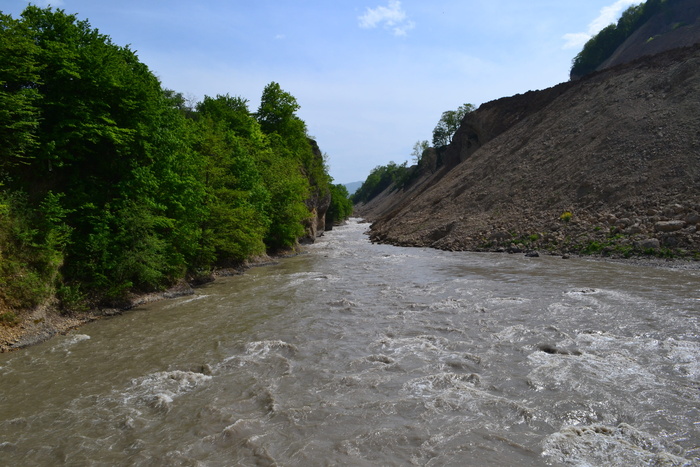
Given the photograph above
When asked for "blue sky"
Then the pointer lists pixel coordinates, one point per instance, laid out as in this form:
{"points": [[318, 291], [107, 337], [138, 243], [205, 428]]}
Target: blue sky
{"points": [[372, 76]]}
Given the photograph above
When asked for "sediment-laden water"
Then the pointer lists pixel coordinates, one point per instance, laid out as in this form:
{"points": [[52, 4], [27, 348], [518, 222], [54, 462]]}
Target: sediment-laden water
{"points": [[361, 354]]}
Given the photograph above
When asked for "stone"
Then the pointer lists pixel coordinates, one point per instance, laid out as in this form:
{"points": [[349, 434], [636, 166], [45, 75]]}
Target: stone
{"points": [[693, 218], [670, 241], [674, 210], [500, 236], [669, 226], [648, 244], [634, 229]]}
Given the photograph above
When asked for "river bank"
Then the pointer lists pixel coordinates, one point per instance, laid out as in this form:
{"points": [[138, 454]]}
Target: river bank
{"points": [[46, 321]]}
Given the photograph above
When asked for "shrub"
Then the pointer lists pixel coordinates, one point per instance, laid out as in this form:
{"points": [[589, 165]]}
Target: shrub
{"points": [[9, 318]]}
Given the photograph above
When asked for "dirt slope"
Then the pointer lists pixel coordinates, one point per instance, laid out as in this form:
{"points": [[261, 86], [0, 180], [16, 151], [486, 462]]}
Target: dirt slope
{"points": [[619, 150], [677, 26]]}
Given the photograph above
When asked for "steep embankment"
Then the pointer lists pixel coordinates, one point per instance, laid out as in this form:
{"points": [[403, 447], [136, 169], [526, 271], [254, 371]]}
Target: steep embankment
{"points": [[677, 26], [619, 150]]}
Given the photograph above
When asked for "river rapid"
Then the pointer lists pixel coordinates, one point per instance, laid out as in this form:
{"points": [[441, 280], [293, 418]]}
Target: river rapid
{"points": [[362, 354]]}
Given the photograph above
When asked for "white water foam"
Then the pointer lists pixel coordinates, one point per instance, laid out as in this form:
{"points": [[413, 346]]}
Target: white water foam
{"points": [[623, 445], [159, 390]]}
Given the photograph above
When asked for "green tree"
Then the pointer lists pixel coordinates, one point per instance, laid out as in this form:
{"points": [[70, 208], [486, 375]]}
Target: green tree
{"points": [[449, 124], [294, 171], [289, 189], [238, 201], [341, 207], [109, 139], [19, 79], [114, 184], [418, 149], [601, 46], [379, 179], [277, 113]]}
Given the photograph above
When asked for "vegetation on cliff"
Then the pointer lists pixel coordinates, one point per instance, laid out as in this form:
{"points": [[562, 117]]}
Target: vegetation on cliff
{"points": [[379, 179], [341, 206], [399, 176], [601, 46], [449, 123], [110, 184]]}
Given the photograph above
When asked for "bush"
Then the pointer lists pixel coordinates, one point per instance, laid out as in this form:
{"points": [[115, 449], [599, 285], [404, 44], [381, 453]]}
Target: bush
{"points": [[9, 318]]}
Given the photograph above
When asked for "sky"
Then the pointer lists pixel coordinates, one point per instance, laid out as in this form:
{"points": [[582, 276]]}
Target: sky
{"points": [[372, 77]]}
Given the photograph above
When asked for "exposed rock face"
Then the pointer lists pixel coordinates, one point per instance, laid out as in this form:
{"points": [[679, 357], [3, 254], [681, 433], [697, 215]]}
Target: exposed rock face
{"points": [[495, 118], [318, 203], [619, 150]]}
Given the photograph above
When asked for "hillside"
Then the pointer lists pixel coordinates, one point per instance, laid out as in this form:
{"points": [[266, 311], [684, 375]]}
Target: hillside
{"points": [[606, 164], [678, 26]]}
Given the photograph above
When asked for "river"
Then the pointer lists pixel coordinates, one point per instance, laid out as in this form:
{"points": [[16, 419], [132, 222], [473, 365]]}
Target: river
{"points": [[362, 354]]}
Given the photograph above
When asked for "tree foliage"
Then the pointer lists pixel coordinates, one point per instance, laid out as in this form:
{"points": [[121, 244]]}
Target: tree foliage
{"points": [[601, 46], [341, 207], [449, 124], [379, 179], [111, 184], [19, 78], [419, 149]]}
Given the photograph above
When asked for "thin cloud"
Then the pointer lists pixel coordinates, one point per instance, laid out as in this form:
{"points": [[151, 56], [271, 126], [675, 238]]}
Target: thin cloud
{"points": [[391, 17], [576, 40], [608, 15]]}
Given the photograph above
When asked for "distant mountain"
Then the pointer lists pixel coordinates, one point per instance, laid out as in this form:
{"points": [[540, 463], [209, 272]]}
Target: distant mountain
{"points": [[352, 187]]}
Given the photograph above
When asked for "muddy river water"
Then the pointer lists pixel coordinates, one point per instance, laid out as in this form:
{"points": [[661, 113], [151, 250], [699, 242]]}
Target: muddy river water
{"points": [[361, 354]]}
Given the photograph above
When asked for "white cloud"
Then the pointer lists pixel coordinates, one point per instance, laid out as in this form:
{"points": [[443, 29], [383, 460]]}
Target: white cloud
{"points": [[608, 15], [576, 40], [392, 17]]}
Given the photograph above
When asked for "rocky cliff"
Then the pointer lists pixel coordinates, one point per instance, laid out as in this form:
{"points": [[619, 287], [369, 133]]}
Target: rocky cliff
{"points": [[606, 164], [318, 203]]}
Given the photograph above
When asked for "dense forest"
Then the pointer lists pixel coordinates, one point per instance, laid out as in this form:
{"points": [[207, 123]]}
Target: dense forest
{"points": [[111, 184], [601, 46]]}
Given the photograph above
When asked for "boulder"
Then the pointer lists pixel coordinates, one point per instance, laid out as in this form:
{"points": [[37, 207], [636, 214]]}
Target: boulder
{"points": [[693, 218], [669, 226], [648, 244]]}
